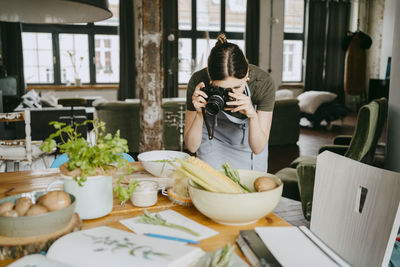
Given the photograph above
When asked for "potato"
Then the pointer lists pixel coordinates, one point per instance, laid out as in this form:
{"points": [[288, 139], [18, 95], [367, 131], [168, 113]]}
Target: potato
{"points": [[55, 200], [10, 213], [6, 206], [36, 210], [22, 205], [264, 183]]}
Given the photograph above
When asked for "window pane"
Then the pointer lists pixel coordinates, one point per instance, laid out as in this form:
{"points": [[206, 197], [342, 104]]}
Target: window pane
{"points": [[74, 57], [203, 50], [30, 58], [29, 40], [208, 15], [38, 57], [114, 20], [235, 15], [292, 60], [185, 60], [107, 58], [294, 16], [185, 14], [45, 57]]}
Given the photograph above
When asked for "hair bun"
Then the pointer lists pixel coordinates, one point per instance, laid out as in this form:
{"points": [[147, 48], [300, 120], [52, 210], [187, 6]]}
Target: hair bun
{"points": [[221, 39]]}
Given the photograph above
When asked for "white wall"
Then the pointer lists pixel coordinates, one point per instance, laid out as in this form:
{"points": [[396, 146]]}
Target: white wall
{"points": [[375, 30], [387, 35], [393, 131], [277, 38]]}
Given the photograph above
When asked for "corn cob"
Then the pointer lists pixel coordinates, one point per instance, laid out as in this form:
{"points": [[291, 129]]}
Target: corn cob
{"points": [[210, 178], [193, 177]]}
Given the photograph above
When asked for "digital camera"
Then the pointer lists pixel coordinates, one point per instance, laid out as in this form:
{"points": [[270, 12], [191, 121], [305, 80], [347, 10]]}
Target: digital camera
{"points": [[217, 98]]}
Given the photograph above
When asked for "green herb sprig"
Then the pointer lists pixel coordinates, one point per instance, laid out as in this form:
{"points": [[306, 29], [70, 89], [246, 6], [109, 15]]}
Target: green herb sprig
{"points": [[88, 156], [234, 176], [156, 219], [124, 193], [218, 258], [222, 256]]}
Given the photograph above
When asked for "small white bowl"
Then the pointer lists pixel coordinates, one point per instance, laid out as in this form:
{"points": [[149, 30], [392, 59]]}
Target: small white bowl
{"points": [[152, 161], [237, 209], [146, 194]]}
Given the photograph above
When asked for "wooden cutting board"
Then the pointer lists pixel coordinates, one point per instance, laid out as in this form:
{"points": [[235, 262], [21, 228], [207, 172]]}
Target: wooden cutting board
{"points": [[16, 247]]}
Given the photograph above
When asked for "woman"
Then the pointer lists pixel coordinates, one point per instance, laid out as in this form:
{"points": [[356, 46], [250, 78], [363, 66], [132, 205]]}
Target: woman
{"points": [[242, 128]]}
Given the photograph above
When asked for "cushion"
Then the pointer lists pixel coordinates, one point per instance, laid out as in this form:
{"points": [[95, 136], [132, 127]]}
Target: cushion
{"points": [[49, 100], [310, 101], [283, 94]]}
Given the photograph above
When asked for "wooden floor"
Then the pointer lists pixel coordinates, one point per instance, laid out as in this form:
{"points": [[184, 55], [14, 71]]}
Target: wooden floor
{"points": [[310, 140]]}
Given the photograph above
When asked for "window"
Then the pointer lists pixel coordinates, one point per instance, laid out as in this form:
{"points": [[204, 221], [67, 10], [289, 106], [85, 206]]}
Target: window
{"points": [[59, 54], [107, 58], [200, 22], [38, 55], [293, 41]]}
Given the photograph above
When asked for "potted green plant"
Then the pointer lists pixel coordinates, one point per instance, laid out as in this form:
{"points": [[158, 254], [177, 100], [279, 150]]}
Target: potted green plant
{"points": [[92, 162]]}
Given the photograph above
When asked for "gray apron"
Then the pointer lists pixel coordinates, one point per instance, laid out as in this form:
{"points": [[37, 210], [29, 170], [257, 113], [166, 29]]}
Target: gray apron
{"points": [[231, 144]]}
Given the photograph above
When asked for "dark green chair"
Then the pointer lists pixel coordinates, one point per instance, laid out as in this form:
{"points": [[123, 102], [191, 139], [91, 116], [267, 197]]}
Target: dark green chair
{"points": [[125, 116], [299, 178], [122, 116]]}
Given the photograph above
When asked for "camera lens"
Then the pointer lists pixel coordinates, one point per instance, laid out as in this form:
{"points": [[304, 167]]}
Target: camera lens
{"points": [[214, 105]]}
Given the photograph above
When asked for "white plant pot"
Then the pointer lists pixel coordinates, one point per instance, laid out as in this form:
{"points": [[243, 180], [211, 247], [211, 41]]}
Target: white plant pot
{"points": [[94, 199]]}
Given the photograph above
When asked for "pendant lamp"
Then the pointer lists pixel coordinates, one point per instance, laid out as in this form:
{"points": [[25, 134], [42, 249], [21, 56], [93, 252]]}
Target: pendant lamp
{"points": [[54, 11]]}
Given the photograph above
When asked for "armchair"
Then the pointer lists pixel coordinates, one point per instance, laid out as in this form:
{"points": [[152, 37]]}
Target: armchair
{"points": [[299, 177]]}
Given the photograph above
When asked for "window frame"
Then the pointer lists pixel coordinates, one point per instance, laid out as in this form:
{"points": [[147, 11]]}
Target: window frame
{"points": [[89, 29], [195, 34], [291, 36]]}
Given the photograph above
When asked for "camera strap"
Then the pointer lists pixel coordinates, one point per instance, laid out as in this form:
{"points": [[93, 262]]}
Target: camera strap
{"points": [[210, 131]]}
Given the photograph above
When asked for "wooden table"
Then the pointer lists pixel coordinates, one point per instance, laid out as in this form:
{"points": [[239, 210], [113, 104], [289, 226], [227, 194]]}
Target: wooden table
{"points": [[37, 180]]}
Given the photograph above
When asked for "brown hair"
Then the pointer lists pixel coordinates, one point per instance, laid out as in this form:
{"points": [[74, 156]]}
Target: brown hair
{"points": [[226, 60]]}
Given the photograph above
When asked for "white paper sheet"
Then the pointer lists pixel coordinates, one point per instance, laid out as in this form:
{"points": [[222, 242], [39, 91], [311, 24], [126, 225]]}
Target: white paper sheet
{"points": [[172, 217], [105, 247], [291, 247]]}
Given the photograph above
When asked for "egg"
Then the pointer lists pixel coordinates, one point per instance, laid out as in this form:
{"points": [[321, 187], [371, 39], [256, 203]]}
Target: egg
{"points": [[6, 206], [36, 210], [264, 183], [10, 213], [55, 200], [22, 205]]}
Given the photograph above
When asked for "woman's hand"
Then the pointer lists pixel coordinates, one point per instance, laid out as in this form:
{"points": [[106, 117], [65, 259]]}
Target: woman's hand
{"points": [[241, 103], [199, 97]]}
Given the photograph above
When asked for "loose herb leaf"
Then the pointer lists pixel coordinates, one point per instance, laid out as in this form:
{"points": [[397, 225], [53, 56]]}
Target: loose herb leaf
{"points": [[124, 193], [156, 219]]}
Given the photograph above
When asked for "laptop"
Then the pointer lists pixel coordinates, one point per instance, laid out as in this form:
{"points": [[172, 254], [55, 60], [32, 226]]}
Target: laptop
{"points": [[355, 218]]}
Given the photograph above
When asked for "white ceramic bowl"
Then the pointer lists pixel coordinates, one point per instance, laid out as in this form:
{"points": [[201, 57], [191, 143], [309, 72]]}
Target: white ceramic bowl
{"points": [[237, 209], [154, 161]]}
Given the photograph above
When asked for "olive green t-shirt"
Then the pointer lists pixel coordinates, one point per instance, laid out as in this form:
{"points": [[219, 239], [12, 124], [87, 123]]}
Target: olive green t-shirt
{"points": [[261, 86]]}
